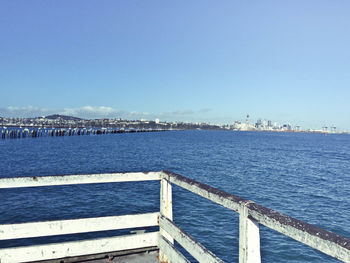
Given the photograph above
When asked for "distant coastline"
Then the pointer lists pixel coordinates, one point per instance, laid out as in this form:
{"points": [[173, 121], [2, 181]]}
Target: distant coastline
{"points": [[65, 122]]}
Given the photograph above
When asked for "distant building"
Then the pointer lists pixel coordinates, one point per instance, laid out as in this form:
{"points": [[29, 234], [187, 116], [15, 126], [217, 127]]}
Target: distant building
{"points": [[287, 127], [258, 124], [265, 124]]}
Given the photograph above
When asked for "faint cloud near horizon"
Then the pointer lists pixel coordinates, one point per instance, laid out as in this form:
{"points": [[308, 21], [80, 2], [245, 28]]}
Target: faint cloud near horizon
{"points": [[94, 112], [24, 112], [91, 112]]}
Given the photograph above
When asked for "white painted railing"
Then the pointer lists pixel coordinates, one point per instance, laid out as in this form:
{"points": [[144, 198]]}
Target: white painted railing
{"points": [[251, 215], [63, 227]]}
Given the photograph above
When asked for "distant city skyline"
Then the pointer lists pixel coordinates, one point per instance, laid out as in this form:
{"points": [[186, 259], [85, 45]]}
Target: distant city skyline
{"points": [[13, 127], [198, 61], [89, 112]]}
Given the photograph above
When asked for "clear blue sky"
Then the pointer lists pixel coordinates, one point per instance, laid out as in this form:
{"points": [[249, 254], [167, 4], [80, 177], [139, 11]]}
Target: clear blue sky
{"points": [[215, 61]]}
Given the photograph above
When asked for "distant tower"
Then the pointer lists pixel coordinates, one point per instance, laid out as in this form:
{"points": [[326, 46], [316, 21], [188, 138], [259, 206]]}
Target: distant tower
{"points": [[247, 120]]}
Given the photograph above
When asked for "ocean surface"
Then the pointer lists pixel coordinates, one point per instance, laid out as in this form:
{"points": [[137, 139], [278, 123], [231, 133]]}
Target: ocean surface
{"points": [[306, 176]]}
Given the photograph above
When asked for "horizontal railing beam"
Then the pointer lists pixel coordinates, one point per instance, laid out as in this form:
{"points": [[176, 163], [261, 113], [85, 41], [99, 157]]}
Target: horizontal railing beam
{"points": [[78, 248], [327, 242], [74, 226], [170, 251], [16, 182], [213, 194], [197, 250]]}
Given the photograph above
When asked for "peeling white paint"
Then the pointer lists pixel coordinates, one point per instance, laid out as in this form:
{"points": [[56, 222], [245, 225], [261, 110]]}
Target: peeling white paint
{"points": [[249, 238], [77, 248], [62, 227], [197, 250], [77, 179], [251, 215]]}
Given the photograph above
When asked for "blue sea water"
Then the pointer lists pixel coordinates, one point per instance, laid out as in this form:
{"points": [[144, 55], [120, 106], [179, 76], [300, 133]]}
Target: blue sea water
{"points": [[306, 176]]}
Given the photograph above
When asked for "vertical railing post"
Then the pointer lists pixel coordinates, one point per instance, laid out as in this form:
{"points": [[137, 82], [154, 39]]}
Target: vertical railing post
{"points": [[249, 237], [166, 209]]}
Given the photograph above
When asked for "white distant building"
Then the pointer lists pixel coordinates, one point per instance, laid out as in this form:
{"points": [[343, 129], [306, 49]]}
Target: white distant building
{"points": [[157, 121], [265, 124], [245, 127]]}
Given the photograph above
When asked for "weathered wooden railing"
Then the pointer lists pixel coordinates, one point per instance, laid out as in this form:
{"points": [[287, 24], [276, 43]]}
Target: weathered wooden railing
{"points": [[251, 215]]}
